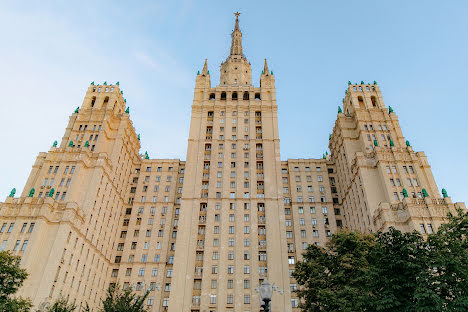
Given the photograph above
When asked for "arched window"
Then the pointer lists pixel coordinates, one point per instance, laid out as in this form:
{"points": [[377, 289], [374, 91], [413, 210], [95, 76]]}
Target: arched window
{"points": [[246, 95], [361, 102], [93, 101], [212, 96], [234, 95], [257, 96], [106, 100], [223, 95], [374, 101]]}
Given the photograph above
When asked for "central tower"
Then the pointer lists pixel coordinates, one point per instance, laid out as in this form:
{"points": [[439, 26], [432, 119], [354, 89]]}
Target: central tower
{"points": [[232, 209]]}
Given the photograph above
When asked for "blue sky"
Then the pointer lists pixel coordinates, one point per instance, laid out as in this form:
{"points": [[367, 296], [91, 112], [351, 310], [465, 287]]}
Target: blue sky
{"points": [[416, 50]]}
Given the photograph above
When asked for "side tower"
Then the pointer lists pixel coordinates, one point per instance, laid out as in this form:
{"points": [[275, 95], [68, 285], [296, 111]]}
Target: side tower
{"points": [[68, 215], [382, 182], [232, 211]]}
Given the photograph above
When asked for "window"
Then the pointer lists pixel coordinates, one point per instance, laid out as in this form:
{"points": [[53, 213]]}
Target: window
{"points": [[11, 227], [25, 243], [141, 272], [31, 227], [246, 299], [17, 245], [423, 228], [230, 284], [23, 228]]}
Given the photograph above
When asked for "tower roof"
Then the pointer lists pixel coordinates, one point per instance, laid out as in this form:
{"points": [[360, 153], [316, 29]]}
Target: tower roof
{"points": [[236, 44]]}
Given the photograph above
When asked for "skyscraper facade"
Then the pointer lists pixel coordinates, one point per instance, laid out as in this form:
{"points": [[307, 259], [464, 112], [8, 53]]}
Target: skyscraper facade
{"points": [[202, 234]]}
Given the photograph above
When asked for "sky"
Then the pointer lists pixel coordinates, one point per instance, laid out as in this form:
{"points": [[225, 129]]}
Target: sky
{"points": [[415, 50]]}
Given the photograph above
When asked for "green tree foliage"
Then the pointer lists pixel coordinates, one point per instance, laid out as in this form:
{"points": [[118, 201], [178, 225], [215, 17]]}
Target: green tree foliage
{"points": [[391, 271], [123, 300], [333, 279], [11, 279], [61, 305]]}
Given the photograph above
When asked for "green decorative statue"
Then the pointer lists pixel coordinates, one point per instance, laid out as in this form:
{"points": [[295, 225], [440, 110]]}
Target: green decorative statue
{"points": [[121, 92], [425, 193], [13, 192], [146, 155], [444, 193], [70, 144], [51, 193], [349, 83], [405, 193], [263, 72], [127, 111], [324, 157], [376, 143], [125, 100], [272, 73], [329, 137], [92, 83], [208, 73], [198, 73], [362, 82], [408, 143], [391, 143], [55, 144], [117, 83], [105, 83], [346, 91], [342, 101], [326, 153], [31, 192], [138, 137], [86, 144], [390, 110], [77, 110], [339, 110], [375, 82]]}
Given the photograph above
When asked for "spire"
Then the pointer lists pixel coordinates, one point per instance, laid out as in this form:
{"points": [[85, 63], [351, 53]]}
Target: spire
{"points": [[205, 68], [265, 68], [236, 45]]}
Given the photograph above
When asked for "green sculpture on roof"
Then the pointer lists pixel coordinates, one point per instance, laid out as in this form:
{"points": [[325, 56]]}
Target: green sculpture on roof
{"points": [[271, 72], [362, 82], [405, 193], [146, 155], [31, 192], [349, 83], [339, 110], [263, 72], [127, 111], [444, 193], [425, 193], [77, 110], [342, 100], [125, 100], [70, 144], [92, 83], [117, 83], [375, 82], [408, 143], [390, 110], [208, 72], [138, 137], [121, 92], [12, 193], [376, 143], [329, 137], [105, 83], [51, 193], [86, 144], [198, 73], [326, 153], [346, 91], [55, 144], [324, 156], [391, 143]]}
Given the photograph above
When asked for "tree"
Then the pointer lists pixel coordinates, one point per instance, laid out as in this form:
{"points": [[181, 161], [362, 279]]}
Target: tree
{"points": [[447, 278], [397, 262], [11, 279], [390, 271], [123, 300], [61, 305], [332, 278]]}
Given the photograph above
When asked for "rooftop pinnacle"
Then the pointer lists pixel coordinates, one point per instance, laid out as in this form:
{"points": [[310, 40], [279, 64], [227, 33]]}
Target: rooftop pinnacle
{"points": [[236, 45]]}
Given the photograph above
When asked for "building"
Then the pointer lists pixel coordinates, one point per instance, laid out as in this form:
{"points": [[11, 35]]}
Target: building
{"points": [[202, 234]]}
